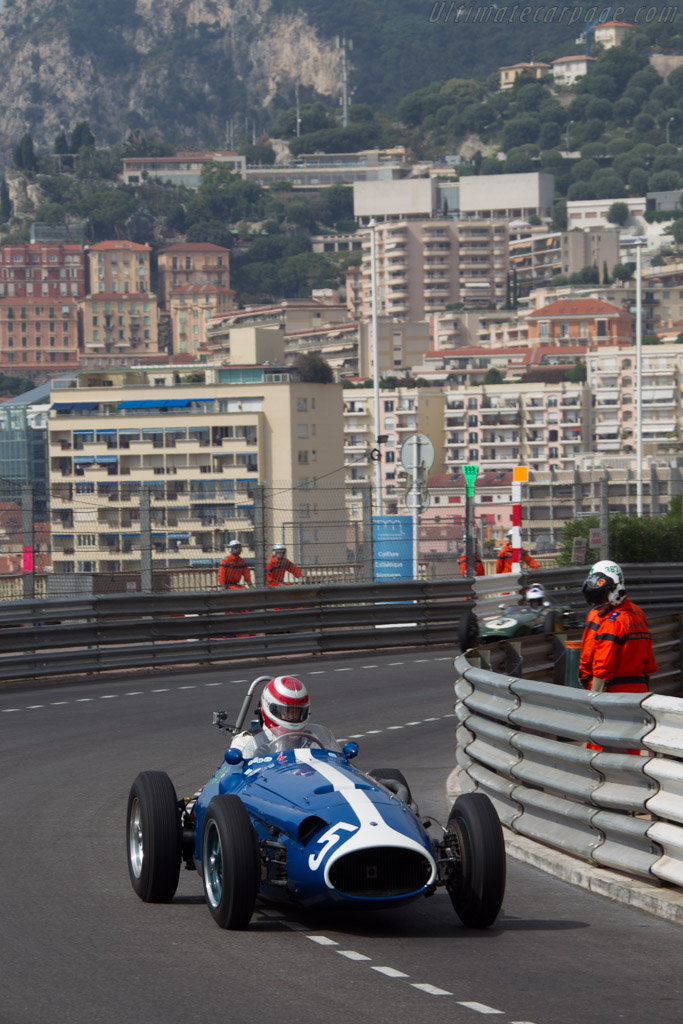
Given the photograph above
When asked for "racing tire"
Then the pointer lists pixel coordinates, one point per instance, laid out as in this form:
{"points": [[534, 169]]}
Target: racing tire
{"points": [[550, 621], [397, 783], [230, 862], [468, 631], [477, 890], [153, 837]]}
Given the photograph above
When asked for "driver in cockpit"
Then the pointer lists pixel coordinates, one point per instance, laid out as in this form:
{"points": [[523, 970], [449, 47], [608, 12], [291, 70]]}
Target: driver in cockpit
{"points": [[284, 707]]}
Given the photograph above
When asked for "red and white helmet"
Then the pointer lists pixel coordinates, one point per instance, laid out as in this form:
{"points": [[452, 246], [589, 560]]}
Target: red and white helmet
{"points": [[285, 703]]}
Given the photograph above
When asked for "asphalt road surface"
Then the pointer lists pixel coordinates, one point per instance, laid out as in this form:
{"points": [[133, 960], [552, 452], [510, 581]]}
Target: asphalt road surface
{"points": [[77, 945]]}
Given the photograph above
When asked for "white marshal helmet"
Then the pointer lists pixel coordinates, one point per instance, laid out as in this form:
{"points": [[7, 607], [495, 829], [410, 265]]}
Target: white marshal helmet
{"points": [[535, 596], [279, 549], [605, 583], [234, 543]]}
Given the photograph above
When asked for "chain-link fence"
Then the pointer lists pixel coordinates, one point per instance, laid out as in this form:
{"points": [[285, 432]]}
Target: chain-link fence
{"points": [[111, 535]]}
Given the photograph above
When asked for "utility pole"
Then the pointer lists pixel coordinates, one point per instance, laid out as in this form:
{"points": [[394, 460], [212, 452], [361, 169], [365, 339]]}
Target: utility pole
{"points": [[298, 111]]}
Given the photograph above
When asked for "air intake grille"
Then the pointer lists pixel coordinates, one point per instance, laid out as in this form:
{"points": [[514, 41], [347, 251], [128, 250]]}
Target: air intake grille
{"points": [[381, 871]]}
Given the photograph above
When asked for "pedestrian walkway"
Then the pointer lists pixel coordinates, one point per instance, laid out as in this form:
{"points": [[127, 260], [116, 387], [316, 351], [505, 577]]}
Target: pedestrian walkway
{"points": [[649, 896]]}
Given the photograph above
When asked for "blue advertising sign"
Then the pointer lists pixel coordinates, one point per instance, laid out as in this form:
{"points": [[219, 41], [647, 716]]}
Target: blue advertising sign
{"points": [[393, 547]]}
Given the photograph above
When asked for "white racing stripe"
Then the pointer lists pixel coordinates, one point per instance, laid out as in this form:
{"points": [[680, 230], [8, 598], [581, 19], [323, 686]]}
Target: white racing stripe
{"points": [[373, 830]]}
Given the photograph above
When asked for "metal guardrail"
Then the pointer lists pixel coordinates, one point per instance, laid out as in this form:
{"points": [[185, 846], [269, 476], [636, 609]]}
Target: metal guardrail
{"points": [[599, 776], [43, 638]]}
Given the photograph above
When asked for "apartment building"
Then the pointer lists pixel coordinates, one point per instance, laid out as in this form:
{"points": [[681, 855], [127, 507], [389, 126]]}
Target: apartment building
{"points": [[197, 442], [47, 271], [566, 70], [290, 316], [613, 382], [537, 258], [456, 328], [191, 307], [191, 263], [311, 171], [119, 315], [183, 169], [423, 266], [38, 336], [118, 328], [588, 321], [119, 266], [402, 412], [508, 75], [506, 196], [470, 365], [541, 425], [337, 242]]}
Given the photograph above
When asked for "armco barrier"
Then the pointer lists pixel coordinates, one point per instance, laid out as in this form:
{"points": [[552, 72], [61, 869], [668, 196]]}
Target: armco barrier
{"points": [[524, 743], [91, 634]]}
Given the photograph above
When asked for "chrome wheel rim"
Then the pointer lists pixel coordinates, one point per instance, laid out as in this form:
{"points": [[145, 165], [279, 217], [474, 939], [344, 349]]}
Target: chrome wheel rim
{"points": [[212, 863], [136, 851]]}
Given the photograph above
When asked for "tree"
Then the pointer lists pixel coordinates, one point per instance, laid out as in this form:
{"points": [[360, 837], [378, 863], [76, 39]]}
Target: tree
{"points": [[677, 231], [24, 154], [618, 213], [314, 369], [61, 145], [5, 203], [493, 376], [623, 271], [81, 138]]}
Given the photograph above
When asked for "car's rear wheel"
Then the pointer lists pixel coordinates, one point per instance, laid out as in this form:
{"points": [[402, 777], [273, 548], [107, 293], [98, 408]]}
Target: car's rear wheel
{"points": [[153, 837], [478, 886], [230, 862], [468, 631]]}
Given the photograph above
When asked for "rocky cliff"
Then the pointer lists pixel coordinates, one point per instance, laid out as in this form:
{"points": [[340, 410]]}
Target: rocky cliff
{"points": [[181, 69]]}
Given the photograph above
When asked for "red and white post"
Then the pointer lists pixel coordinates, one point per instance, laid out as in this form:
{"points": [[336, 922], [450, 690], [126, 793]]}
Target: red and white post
{"points": [[520, 475]]}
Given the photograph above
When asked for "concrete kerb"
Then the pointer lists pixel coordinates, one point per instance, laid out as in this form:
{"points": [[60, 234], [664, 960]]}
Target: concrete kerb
{"points": [[662, 902]]}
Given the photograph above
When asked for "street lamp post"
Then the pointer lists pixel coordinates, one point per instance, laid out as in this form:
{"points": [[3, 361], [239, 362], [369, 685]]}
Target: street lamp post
{"points": [[375, 360], [639, 381]]}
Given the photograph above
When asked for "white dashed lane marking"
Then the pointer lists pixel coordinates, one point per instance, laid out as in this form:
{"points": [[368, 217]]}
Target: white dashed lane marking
{"points": [[479, 1007], [231, 682], [351, 954], [390, 972], [322, 940], [431, 990]]}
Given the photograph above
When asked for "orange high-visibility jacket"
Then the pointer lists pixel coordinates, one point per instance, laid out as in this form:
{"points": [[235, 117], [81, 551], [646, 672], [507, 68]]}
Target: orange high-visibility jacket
{"points": [[478, 565], [232, 571], [617, 646], [504, 559], [276, 569]]}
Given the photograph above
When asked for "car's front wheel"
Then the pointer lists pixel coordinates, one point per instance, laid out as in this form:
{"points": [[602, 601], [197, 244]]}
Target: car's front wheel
{"points": [[230, 862], [153, 837], [468, 631], [478, 885]]}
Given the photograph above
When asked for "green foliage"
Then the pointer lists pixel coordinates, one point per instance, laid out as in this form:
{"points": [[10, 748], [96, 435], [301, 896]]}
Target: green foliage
{"points": [[576, 374], [654, 540], [260, 154], [493, 376], [618, 213], [24, 156], [5, 203], [14, 385], [314, 369], [578, 528]]}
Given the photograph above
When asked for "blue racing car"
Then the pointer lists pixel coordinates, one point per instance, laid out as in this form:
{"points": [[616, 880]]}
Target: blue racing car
{"points": [[298, 822]]}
